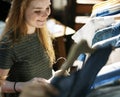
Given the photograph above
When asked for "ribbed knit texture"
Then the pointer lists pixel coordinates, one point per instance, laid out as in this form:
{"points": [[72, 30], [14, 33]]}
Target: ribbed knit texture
{"points": [[27, 59]]}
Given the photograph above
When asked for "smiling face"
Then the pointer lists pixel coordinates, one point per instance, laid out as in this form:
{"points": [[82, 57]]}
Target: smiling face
{"points": [[37, 13]]}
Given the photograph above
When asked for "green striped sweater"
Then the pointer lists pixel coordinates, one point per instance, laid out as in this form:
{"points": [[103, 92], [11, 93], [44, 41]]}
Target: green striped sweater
{"points": [[26, 59]]}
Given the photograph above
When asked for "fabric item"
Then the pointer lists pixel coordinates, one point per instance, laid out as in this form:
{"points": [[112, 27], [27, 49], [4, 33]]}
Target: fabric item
{"points": [[112, 90], [109, 68], [114, 41], [79, 62], [106, 33], [103, 6], [81, 57], [107, 79], [107, 75], [79, 83], [26, 59], [87, 32], [2, 25], [109, 11]]}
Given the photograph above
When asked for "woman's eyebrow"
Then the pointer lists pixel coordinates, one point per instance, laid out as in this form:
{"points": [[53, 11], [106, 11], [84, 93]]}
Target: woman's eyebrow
{"points": [[41, 7], [37, 8]]}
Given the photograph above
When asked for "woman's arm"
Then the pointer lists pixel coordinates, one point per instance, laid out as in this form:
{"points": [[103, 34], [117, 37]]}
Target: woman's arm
{"points": [[3, 75], [12, 87], [5, 85]]}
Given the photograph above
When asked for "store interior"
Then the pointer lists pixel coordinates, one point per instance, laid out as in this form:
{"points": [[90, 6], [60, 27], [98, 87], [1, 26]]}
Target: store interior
{"points": [[67, 17], [71, 22]]}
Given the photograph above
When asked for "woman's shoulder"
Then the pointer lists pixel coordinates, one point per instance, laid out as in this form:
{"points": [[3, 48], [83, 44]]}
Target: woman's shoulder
{"points": [[5, 41]]}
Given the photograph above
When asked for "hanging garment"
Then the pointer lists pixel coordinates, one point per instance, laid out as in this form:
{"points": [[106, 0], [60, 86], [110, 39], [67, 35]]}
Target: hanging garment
{"points": [[112, 90], [107, 36], [111, 10], [87, 32], [104, 8], [109, 74], [107, 32], [79, 83]]}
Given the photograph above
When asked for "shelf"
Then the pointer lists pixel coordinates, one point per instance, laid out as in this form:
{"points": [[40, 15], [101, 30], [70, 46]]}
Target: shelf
{"points": [[82, 19], [88, 1], [84, 9]]}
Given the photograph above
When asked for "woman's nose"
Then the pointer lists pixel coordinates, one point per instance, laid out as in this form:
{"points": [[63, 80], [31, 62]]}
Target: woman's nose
{"points": [[45, 14]]}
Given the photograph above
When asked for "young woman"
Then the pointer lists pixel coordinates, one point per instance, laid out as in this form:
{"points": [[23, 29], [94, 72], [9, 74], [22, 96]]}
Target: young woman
{"points": [[26, 51]]}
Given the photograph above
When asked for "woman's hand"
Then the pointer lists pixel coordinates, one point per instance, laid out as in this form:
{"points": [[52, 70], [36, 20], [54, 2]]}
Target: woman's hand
{"points": [[38, 87], [20, 85], [8, 87]]}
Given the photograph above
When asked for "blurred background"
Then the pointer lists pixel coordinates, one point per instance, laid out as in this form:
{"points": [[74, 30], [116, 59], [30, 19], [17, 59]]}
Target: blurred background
{"points": [[66, 18]]}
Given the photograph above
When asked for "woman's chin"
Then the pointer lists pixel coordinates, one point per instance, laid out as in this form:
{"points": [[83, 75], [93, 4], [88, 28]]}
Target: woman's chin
{"points": [[40, 25]]}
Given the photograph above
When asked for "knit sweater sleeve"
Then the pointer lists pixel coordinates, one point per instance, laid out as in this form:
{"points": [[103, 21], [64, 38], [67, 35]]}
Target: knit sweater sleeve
{"points": [[5, 55]]}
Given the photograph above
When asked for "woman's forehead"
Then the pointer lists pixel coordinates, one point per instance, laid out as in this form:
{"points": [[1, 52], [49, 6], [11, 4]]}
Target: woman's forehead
{"points": [[40, 3]]}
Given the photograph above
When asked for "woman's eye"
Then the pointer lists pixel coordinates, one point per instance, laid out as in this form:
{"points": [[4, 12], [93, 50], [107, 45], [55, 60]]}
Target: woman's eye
{"points": [[37, 12], [48, 8]]}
